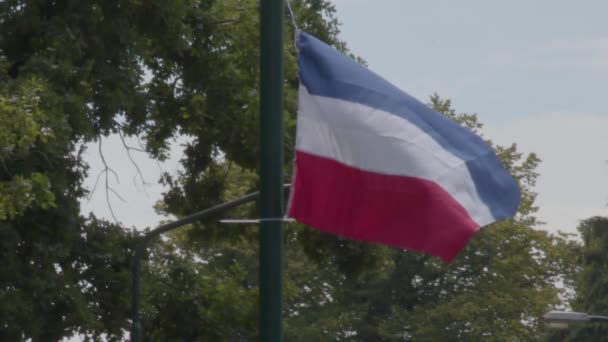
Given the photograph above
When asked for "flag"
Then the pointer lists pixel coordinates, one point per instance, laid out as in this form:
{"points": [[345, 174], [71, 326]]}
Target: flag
{"points": [[374, 164]]}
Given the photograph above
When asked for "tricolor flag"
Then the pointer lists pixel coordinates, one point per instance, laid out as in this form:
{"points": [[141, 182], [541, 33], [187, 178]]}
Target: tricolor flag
{"points": [[375, 164]]}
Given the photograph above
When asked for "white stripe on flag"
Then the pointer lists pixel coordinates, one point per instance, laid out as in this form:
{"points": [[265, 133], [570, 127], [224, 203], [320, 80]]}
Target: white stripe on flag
{"points": [[373, 140]]}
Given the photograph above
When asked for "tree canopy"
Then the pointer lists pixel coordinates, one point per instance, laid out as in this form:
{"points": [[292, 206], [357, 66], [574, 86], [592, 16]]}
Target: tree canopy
{"points": [[338, 289], [590, 278], [74, 72]]}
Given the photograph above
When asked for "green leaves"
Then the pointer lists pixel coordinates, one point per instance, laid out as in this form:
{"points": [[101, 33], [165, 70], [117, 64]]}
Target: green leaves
{"points": [[590, 281], [24, 125], [21, 193], [78, 70], [188, 69]]}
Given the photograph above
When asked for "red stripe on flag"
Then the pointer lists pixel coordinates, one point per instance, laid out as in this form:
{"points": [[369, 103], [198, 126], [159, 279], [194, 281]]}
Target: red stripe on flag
{"points": [[404, 212]]}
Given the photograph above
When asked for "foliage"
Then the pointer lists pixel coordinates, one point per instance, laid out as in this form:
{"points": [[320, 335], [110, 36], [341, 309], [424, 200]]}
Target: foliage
{"points": [[23, 125], [336, 289], [591, 282], [498, 288], [84, 70], [77, 71]]}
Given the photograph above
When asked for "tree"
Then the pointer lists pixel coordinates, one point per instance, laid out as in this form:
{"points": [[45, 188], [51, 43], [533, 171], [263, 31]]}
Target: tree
{"points": [[23, 124], [338, 289], [160, 70], [39, 295], [498, 288], [156, 70], [591, 282]]}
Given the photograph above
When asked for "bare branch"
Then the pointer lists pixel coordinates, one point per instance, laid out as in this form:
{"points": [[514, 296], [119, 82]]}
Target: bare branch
{"points": [[141, 145], [139, 173], [109, 189], [115, 174], [95, 185], [117, 195]]}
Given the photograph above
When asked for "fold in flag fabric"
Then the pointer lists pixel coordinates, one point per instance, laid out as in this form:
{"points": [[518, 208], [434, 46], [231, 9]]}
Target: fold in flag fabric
{"points": [[374, 164]]}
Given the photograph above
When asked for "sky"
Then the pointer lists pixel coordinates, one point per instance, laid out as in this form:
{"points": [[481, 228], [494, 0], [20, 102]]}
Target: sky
{"points": [[535, 72]]}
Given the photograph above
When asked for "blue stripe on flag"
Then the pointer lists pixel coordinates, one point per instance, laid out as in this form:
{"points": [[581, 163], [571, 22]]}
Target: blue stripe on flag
{"points": [[326, 72]]}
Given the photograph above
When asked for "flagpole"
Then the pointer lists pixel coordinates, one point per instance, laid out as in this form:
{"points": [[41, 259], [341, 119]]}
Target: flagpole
{"points": [[271, 170]]}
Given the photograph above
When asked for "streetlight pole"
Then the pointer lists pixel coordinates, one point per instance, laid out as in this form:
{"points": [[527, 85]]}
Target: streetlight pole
{"points": [[271, 170], [271, 185], [561, 319], [136, 328]]}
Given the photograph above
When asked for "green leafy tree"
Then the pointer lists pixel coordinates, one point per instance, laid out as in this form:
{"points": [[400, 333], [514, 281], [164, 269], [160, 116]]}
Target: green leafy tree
{"points": [[23, 125], [161, 70], [497, 289], [338, 289], [74, 72], [591, 282]]}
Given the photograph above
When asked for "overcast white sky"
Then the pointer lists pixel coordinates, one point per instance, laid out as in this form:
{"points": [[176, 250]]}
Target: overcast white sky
{"points": [[536, 73]]}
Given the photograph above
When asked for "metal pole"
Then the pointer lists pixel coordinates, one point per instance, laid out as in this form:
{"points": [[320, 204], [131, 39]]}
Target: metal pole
{"points": [[136, 328], [271, 170]]}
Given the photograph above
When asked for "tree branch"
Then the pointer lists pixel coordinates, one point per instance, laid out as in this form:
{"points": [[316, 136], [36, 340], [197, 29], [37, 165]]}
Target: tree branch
{"points": [[139, 173], [141, 145], [106, 172]]}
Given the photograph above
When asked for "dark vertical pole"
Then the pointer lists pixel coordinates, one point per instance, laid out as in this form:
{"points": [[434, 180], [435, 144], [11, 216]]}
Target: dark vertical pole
{"points": [[271, 170], [136, 331]]}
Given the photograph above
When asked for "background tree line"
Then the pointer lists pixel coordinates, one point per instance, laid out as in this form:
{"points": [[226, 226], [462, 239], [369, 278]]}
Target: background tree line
{"points": [[75, 72]]}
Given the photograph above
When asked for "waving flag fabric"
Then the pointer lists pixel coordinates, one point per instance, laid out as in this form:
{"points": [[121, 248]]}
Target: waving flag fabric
{"points": [[375, 164]]}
